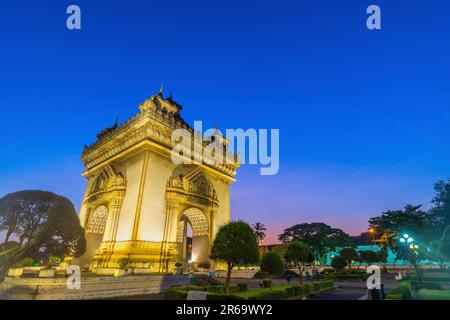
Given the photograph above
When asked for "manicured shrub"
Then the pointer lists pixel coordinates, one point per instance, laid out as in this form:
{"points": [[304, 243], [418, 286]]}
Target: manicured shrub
{"points": [[214, 292], [267, 283], [242, 287], [427, 285], [53, 261], [123, 262], [345, 276], [320, 285], [402, 292], [275, 293], [271, 262], [338, 263], [427, 294], [25, 262]]}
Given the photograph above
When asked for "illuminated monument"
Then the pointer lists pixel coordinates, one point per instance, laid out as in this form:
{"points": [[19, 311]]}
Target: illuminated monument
{"points": [[138, 203]]}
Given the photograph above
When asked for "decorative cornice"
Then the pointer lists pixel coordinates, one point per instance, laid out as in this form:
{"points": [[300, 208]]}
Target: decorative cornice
{"points": [[154, 125]]}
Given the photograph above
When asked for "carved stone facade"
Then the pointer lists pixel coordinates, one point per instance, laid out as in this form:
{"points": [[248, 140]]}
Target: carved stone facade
{"points": [[138, 203]]}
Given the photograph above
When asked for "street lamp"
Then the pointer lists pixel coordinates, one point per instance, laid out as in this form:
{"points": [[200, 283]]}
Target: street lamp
{"points": [[406, 238]]}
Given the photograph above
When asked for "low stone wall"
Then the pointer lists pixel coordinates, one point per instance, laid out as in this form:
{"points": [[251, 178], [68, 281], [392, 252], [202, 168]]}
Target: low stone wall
{"points": [[14, 288]]}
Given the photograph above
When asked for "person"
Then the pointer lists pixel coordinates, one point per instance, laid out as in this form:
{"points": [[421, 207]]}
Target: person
{"points": [[373, 294], [288, 277]]}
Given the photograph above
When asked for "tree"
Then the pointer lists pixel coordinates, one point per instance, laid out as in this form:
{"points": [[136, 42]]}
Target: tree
{"points": [[393, 223], [299, 255], [383, 256], [235, 244], [349, 255], [441, 203], [320, 237], [49, 226], [338, 263], [10, 215], [368, 256], [444, 247], [260, 233], [271, 263]]}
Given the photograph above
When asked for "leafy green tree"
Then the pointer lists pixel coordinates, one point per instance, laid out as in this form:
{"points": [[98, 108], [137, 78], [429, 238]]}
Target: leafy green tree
{"points": [[368, 257], [49, 226], [383, 256], [338, 263], [235, 244], [299, 255], [271, 263], [320, 237], [260, 231], [11, 212], [349, 255], [441, 204], [393, 223], [444, 247]]}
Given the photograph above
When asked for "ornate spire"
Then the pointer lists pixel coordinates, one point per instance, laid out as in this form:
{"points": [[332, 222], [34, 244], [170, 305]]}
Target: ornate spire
{"points": [[161, 89]]}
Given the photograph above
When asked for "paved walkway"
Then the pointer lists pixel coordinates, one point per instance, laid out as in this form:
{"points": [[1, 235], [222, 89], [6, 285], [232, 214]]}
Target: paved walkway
{"points": [[354, 290]]}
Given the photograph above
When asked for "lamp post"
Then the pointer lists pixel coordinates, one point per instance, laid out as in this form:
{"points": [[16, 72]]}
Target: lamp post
{"points": [[408, 242]]}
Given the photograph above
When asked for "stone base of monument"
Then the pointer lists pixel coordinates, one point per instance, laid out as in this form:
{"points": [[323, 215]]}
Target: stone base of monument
{"points": [[123, 272], [15, 272], [46, 273], [92, 287]]}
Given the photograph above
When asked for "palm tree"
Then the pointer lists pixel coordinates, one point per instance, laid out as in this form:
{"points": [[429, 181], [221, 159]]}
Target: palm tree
{"points": [[259, 229]]}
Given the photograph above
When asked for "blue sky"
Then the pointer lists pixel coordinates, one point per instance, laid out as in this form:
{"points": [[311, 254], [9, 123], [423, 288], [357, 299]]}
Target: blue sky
{"points": [[363, 115]]}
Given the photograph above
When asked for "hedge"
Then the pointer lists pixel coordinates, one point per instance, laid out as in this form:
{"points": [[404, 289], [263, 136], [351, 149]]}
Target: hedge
{"points": [[427, 294], [275, 293], [344, 276], [402, 292], [432, 279], [181, 292]]}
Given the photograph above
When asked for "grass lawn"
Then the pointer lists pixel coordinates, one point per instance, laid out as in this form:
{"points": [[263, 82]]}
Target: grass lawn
{"points": [[427, 294]]}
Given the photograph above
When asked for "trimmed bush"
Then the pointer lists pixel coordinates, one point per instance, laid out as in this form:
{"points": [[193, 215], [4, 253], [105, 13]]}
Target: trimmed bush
{"points": [[402, 292], [123, 262], [345, 276], [427, 294], [320, 285], [25, 262], [432, 279], [275, 293], [267, 283], [181, 292], [242, 287], [427, 285], [53, 261], [338, 263]]}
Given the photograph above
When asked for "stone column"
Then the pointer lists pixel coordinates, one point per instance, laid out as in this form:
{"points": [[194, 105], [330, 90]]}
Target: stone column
{"points": [[113, 219]]}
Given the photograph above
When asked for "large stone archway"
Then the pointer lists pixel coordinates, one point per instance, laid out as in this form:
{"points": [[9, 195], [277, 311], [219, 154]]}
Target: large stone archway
{"points": [[131, 172], [201, 242], [191, 199]]}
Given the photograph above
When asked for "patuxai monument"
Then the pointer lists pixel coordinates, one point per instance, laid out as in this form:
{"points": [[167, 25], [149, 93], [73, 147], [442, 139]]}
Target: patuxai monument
{"points": [[138, 203]]}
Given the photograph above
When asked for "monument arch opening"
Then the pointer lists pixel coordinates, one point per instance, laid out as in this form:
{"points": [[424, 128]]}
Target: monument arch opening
{"points": [[198, 250]]}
